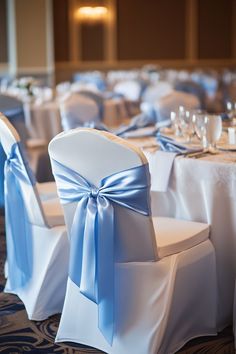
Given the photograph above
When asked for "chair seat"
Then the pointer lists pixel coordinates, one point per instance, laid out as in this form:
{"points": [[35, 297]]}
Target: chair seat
{"points": [[53, 212], [174, 236]]}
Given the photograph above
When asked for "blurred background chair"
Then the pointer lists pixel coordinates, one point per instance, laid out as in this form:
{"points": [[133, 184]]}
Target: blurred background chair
{"points": [[78, 109]]}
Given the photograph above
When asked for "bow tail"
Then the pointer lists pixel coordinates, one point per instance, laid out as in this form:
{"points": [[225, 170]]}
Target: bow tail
{"points": [[19, 241], [106, 269], [82, 268]]}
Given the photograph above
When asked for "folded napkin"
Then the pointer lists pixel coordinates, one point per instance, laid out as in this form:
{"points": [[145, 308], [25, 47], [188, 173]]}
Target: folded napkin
{"points": [[142, 120], [141, 133], [161, 162], [160, 166], [171, 145]]}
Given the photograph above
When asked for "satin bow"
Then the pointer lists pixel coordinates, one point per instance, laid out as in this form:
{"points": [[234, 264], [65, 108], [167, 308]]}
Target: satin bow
{"points": [[18, 229], [92, 232]]}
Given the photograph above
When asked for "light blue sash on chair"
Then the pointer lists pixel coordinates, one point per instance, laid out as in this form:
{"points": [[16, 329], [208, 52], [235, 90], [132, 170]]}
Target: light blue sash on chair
{"points": [[142, 120], [18, 229], [92, 233]]}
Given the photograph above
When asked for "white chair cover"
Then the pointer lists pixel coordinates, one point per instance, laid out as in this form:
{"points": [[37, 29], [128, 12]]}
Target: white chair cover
{"points": [[155, 91], [46, 190], [131, 89], [165, 105], [77, 110], [43, 291], [158, 309]]}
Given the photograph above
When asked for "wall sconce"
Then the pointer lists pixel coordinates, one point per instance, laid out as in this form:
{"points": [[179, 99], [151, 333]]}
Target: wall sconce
{"points": [[91, 13]]}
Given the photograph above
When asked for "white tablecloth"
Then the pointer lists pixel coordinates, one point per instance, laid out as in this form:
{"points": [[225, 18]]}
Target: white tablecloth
{"points": [[204, 190]]}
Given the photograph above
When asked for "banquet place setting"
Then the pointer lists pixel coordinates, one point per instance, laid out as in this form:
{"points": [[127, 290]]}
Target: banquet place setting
{"points": [[117, 177]]}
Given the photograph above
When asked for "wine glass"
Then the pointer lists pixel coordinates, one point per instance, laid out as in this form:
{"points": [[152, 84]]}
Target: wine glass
{"points": [[175, 123], [213, 125], [187, 125], [200, 128]]}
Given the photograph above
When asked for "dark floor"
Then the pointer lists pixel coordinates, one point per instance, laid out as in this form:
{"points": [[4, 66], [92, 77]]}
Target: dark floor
{"points": [[19, 335]]}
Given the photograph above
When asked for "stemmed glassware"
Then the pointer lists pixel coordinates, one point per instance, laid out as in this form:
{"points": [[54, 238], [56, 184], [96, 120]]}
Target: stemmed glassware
{"points": [[208, 128], [175, 123], [231, 109], [200, 128], [187, 125]]}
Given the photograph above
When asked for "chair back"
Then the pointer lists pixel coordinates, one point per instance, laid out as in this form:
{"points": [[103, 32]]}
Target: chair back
{"points": [[131, 89], [193, 88], [157, 90], [97, 97], [77, 110], [96, 155], [9, 137], [171, 102]]}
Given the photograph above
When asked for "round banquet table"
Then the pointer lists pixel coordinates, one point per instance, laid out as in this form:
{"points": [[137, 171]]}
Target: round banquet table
{"points": [[203, 189]]}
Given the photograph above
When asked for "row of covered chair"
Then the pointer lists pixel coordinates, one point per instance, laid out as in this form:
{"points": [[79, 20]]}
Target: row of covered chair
{"points": [[129, 273]]}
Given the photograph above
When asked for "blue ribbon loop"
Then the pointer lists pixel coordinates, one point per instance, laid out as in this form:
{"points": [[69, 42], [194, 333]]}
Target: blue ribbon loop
{"points": [[18, 228], [92, 255]]}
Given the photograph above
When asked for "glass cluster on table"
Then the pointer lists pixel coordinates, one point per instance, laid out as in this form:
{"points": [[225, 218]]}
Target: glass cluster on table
{"points": [[207, 127]]}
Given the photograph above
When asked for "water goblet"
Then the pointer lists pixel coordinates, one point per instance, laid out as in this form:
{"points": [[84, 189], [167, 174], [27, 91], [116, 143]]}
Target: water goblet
{"points": [[175, 123], [187, 127], [213, 125], [200, 128]]}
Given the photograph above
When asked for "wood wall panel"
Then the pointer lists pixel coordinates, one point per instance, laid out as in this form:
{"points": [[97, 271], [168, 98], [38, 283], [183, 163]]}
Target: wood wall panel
{"points": [[3, 32], [215, 29], [153, 29], [61, 30], [92, 42]]}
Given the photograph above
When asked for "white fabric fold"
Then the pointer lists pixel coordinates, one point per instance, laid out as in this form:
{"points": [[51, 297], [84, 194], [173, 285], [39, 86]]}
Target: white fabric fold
{"points": [[160, 166]]}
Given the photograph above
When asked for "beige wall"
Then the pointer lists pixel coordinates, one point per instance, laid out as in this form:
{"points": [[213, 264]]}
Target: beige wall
{"points": [[31, 33], [30, 40]]}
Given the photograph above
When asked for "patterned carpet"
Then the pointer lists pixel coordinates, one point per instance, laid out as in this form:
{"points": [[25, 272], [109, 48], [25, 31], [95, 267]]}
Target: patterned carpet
{"points": [[19, 335]]}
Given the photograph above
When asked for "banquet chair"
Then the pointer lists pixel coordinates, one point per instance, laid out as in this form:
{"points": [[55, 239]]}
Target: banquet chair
{"points": [[77, 109], [193, 88], [13, 110], [156, 91], [132, 91], [97, 98], [46, 190], [36, 238], [136, 284], [171, 102]]}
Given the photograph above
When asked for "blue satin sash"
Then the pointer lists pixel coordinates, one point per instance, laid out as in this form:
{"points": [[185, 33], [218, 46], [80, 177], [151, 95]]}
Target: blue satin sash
{"points": [[142, 120], [92, 232], [18, 229]]}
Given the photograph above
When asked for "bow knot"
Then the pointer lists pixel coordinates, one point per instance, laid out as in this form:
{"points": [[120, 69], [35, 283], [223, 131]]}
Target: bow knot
{"points": [[94, 192]]}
